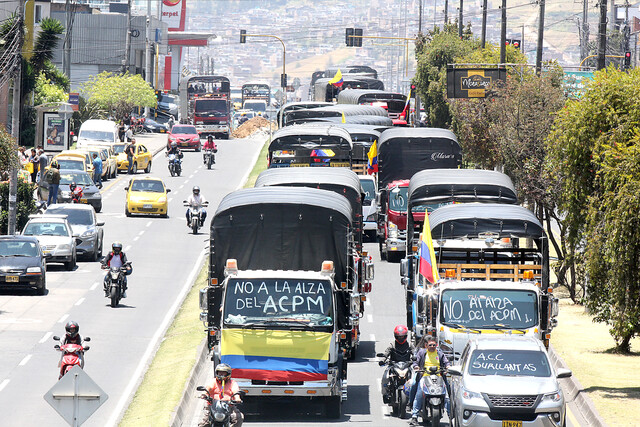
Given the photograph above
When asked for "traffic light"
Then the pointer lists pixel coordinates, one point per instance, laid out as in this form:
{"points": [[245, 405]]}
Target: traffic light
{"points": [[158, 95], [348, 39], [515, 43], [507, 42], [412, 94], [283, 80], [357, 41], [627, 60], [243, 36]]}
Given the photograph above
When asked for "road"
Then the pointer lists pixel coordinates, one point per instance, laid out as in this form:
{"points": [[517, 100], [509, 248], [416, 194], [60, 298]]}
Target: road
{"points": [[164, 255]]}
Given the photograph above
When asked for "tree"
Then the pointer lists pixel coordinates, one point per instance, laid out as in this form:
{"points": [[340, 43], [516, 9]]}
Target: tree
{"points": [[118, 94], [594, 154]]}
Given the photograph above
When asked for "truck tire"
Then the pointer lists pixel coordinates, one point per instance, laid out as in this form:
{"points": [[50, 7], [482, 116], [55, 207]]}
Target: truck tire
{"points": [[333, 407]]}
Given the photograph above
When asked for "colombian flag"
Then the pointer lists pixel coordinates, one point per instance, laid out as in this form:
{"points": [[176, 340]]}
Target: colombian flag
{"points": [[428, 268], [324, 154], [271, 355], [372, 163], [337, 79]]}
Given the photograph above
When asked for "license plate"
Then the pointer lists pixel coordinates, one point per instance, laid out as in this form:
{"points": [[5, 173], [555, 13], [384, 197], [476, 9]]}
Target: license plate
{"points": [[83, 201], [147, 206], [340, 164], [46, 252], [298, 165], [13, 279], [507, 423], [184, 144]]}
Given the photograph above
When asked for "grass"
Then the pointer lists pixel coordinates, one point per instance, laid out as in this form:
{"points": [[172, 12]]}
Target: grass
{"points": [[163, 383], [611, 380]]}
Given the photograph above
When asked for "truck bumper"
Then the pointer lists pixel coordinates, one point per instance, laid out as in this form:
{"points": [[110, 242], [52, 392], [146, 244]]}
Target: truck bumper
{"points": [[307, 389], [212, 128], [396, 245]]}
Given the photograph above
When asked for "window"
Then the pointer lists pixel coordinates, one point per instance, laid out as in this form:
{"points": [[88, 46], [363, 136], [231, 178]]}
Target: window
{"points": [[37, 14]]}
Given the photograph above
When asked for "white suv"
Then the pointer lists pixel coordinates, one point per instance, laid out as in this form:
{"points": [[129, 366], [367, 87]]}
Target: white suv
{"points": [[369, 206]]}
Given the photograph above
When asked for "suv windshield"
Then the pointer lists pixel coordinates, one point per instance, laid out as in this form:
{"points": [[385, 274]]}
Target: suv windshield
{"points": [[278, 301], [11, 249], [46, 229], [80, 178], [96, 135], [489, 309], [74, 216], [509, 363]]}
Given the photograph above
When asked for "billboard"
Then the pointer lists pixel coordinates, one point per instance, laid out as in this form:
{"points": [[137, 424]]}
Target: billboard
{"points": [[472, 82], [55, 132], [174, 13]]}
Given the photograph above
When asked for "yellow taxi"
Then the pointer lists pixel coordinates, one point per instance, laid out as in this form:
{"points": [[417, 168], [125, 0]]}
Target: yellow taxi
{"points": [[141, 160], [74, 159], [146, 196]]}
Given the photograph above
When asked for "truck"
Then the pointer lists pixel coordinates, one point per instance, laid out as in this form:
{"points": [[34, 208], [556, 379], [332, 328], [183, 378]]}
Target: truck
{"points": [[256, 96], [493, 261], [402, 152], [206, 104], [278, 302]]}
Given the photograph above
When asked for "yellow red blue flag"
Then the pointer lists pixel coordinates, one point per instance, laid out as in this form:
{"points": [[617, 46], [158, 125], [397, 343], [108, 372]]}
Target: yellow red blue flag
{"points": [[428, 267], [372, 155], [337, 79]]}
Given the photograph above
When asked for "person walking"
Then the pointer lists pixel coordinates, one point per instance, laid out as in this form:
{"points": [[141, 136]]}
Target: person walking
{"points": [[130, 151], [33, 160], [97, 170], [43, 162], [53, 178]]}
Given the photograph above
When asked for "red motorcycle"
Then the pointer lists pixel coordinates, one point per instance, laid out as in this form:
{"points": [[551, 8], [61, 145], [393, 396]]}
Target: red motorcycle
{"points": [[76, 194], [72, 355]]}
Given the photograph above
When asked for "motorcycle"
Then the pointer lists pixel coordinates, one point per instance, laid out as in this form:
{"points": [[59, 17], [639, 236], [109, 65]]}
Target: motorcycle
{"points": [[175, 165], [398, 374], [219, 411], [435, 392], [209, 157], [115, 282], [72, 355], [76, 195], [197, 218]]}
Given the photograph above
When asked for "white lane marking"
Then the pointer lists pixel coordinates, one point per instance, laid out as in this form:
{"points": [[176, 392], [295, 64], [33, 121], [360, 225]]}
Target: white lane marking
{"points": [[191, 176], [3, 384], [372, 337], [181, 187], [368, 302], [141, 233], [370, 318], [187, 181], [80, 301], [379, 384], [170, 199], [45, 337], [385, 410], [127, 248], [149, 223], [25, 360], [135, 239], [63, 318], [145, 359], [94, 286]]}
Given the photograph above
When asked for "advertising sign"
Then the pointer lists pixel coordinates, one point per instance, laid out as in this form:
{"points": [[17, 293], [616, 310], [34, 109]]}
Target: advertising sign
{"points": [[56, 135], [74, 100], [576, 81], [174, 14], [472, 82]]}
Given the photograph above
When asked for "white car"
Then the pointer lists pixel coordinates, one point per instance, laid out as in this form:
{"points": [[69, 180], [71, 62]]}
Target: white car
{"points": [[55, 237], [369, 205]]}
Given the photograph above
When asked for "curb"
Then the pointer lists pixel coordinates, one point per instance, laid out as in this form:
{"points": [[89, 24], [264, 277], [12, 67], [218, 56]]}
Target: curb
{"points": [[575, 392], [177, 419]]}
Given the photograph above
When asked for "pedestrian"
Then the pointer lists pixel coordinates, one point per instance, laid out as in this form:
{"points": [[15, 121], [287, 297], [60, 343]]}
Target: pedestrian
{"points": [[33, 161], [22, 156], [130, 151], [53, 178], [128, 134], [97, 170], [43, 162]]}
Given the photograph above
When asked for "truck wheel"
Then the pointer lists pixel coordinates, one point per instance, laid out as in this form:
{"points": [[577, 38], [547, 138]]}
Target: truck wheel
{"points": [[333, 407]]}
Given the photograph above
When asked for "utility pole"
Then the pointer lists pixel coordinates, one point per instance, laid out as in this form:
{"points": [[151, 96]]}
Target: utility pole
{"points": [[446, 12], [584, 33], [612, 16], [147, 54], [127, 46], [540, 38], [503, 33], [15, 125], [627, 27], [66, 57], [483, 37], [460, 14], [602, 35], [417, 105]]}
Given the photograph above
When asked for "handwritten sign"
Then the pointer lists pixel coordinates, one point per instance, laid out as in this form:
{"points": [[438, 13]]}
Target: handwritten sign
{"points": [[509, 362]]}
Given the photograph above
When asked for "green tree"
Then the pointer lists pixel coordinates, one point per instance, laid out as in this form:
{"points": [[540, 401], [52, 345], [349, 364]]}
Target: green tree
{"points": [[594, 154], [45, 91], [118, 94], [8, 153]]}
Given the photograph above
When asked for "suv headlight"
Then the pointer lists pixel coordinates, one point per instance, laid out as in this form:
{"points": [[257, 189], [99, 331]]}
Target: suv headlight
{"points": [[553, 397], [34, 270], [468, 394], [88, 233]]}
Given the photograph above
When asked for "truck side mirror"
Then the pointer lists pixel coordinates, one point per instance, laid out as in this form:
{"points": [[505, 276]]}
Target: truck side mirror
{"points": [[203, 299], [369, 272], [404, 268], [555, 307]]}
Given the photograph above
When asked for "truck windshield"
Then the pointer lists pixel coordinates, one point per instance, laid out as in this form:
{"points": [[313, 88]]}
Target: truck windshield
{"points": [[211, 107], [489, 309], [398, 199], [269, 301], [255, 106], [369, 190], [509, 363]]}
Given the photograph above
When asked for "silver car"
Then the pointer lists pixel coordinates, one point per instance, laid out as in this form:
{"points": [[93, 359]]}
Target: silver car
{"points": [[369, 206], [55, 237], [87, 230], [507, 382]]}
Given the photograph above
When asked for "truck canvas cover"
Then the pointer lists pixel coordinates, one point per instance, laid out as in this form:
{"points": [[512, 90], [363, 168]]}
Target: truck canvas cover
{"points": [[333, 111], [402, 152], [301, 105], [312, 141], [362, 96], [461, 185]]}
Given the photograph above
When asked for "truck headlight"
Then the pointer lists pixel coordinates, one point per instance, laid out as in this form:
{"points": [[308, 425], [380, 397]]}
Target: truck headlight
{"points": [[393, 231], [199, 122]]}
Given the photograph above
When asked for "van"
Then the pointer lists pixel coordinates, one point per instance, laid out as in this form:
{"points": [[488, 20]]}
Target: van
{"points": [[98, 131]]}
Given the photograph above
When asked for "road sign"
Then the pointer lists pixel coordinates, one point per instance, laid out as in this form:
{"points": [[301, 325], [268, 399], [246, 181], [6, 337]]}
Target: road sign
{"points": [[75, 397], [65, 111], [74, 100]]}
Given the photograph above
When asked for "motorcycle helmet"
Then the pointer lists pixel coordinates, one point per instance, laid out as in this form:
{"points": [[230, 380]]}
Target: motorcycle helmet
{"points": [[55, 164], [223, 372], [400, 333], [72, 186], [196, 190], [72, 329], [117, 247], [210, 138], [174, 144]]}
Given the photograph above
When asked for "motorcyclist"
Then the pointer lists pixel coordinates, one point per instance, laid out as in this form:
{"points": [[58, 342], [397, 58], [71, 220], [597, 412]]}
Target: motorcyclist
{"points": [[174, 150], [73, 337], [196, 199], [400, 351], [75, 192], [116, 258], [223, 387], [210, 144], [427, 357]]}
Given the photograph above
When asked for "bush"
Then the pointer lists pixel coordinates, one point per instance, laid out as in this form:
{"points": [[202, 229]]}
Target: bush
{"points": [[26, 205]]}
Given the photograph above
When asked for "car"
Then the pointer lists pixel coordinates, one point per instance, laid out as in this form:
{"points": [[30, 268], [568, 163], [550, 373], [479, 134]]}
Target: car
{"points": [[369, 206], [141, 160], [186, 136], [22, 264], [90, 193], [152, 126], [146, 196], [168, 104], [55, 237], [507, 380], [108, 157], [77, 155], [85, 227]]}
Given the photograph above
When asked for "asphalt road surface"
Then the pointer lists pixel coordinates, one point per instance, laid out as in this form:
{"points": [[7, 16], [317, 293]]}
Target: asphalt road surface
{"points": [[165, 257]]}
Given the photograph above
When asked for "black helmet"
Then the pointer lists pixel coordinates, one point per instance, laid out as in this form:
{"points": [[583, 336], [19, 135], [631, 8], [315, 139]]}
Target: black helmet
{"points": [[117, 247], [72, 186], [210, 138], [400, 333], [223, 372], [196, 190], [72, 329]]}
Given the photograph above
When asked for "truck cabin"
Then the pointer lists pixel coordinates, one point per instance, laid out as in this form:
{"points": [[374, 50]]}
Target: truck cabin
{"points": [[317, 146], [393, 103], [488, 241], [211, 106], [433, 188], [337, 113]]}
